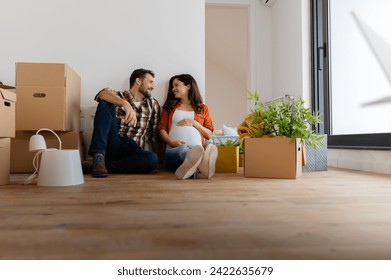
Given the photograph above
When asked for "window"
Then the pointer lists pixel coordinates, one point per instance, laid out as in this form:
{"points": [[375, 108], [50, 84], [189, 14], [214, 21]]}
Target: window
{"points": [[351, 57]]}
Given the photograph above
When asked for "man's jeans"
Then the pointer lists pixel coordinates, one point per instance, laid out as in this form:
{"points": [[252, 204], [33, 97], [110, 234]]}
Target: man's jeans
{"points": [[122, 154]]}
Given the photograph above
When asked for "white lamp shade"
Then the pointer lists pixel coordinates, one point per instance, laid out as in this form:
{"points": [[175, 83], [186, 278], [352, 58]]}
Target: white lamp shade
{"points": [[37, 143], [60, 168]]}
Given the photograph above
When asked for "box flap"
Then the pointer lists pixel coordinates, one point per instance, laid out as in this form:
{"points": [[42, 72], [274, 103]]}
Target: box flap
{"points": [[40, 74], [7, 93]]}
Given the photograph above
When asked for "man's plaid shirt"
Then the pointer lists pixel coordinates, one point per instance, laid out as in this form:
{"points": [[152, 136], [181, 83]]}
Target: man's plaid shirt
{"points": [[148, 117]]}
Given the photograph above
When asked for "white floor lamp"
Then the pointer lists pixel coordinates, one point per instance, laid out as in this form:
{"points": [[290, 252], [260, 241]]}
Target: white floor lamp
{"points": [[57, 167]]}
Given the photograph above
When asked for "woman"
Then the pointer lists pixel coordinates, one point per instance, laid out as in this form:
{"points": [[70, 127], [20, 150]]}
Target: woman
{"points": [[184, 126]]}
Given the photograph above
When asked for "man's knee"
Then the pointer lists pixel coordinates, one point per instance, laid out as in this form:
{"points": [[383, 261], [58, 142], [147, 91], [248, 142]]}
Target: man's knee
{"points": [[104, 105]]}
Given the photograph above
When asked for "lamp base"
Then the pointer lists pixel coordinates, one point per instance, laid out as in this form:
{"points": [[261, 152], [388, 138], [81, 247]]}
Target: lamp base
{"points": [[60, 168]]}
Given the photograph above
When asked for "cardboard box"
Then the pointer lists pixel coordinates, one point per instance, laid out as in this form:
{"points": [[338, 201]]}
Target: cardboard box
{"points": [[273, 158], [22, 158], [316, 158], [7, 111], [227, 159], [5, 150], [48, 97]]}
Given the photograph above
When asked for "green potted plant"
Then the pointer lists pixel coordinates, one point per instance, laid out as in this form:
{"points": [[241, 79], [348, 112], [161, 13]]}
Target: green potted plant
{"points": [[289, 119], [279, 124]]}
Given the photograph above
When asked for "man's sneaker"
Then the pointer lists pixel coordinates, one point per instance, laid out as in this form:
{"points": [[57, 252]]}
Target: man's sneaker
{"points": [[98, 166], [190, 164], [207, 166]]}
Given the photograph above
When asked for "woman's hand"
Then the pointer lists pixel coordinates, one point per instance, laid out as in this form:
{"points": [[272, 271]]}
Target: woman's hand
{"points": [[167, 139], [177, 143], [186, 122], [207, 133]]}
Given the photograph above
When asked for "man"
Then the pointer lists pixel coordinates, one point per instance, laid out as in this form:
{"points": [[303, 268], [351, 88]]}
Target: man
{"points": [[124, 125]]}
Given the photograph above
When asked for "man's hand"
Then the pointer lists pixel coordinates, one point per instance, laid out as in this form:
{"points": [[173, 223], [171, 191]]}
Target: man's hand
{"points": [[110, 96], [130, 114]]}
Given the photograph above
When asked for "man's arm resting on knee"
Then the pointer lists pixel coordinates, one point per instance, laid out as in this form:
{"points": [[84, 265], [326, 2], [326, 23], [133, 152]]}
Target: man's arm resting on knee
{"points": [[113, 98]]}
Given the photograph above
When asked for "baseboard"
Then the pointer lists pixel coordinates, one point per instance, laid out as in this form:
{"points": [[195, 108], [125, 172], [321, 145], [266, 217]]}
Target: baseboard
{"points": [[365, 160]]}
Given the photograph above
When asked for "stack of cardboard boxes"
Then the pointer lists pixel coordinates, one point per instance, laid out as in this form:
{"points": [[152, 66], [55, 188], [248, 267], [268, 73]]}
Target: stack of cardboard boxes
{"points": [[7, 130], [48, 97]]}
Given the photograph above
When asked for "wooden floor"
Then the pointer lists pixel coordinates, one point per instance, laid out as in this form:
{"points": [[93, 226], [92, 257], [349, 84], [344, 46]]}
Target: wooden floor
{"points": [[335, 214]]}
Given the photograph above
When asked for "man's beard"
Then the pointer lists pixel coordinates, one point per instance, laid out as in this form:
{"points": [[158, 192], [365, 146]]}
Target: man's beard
{"points": [[145, 91], [147, 94]]}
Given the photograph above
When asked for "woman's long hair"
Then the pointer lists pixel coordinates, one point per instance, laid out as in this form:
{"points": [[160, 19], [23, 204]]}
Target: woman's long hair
{"points": [[195, 97]]}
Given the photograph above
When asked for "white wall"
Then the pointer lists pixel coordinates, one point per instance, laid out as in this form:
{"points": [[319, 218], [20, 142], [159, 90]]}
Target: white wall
{"points": [[261, 62], [365, 160], [291, 49], [105, 40]]}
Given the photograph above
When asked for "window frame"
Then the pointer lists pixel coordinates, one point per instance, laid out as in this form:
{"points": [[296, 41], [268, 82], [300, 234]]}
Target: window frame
{"points": [[321, 92]]}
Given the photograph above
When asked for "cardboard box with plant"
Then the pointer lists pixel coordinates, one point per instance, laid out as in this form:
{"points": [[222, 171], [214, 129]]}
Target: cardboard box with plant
{"points": [[288, 119], [228, 156]]}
